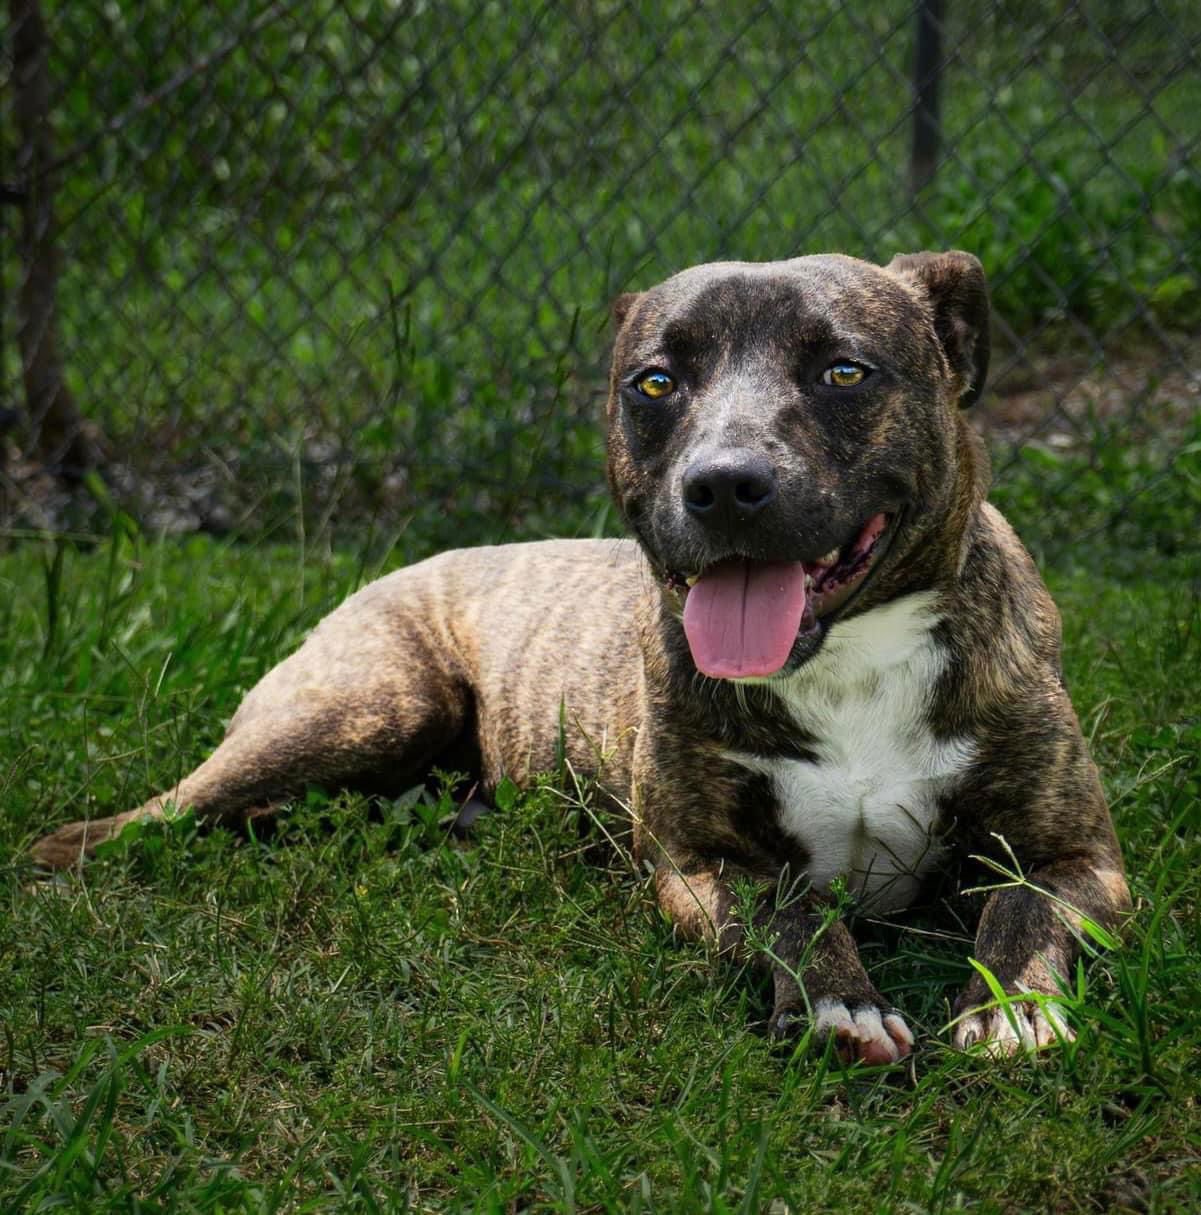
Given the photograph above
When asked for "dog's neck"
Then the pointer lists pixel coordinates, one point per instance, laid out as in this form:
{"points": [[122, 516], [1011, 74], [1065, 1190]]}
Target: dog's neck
{"points": [[937, 543], [867, 647]]}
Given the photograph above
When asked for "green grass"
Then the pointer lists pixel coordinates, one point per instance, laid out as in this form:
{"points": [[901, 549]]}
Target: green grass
{"points": [[361, 1014]]}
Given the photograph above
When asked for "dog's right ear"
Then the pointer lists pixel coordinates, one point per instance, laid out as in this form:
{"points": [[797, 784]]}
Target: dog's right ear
{"points": [[620, 308], [955, 283]]}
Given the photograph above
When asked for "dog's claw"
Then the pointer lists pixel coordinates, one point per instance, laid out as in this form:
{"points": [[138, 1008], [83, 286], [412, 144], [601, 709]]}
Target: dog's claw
{"points": [[1024, 1026], [786, 1025]]}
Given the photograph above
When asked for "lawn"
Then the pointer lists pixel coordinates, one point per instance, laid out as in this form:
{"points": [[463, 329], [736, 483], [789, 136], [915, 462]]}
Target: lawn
{"points": [[361, 1013]]}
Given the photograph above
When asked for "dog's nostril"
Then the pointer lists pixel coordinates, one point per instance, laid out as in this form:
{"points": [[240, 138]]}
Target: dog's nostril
{"points": [[698, 495], [752, 493]]}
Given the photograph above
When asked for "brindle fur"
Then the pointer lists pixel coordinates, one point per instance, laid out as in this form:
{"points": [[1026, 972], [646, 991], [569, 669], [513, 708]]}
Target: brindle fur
{"points": [[470, 657]]}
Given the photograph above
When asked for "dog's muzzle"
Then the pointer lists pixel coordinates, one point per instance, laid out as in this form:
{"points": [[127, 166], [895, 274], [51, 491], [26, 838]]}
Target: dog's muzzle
{"points": [[745, 618]]}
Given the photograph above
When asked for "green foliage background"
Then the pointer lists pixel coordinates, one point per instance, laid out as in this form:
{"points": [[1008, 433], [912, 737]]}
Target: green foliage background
{"points": [[353, 259]]}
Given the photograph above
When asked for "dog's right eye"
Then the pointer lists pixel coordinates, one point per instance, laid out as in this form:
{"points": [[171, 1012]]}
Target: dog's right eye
{"points": [[655, 385], [845, 374]]}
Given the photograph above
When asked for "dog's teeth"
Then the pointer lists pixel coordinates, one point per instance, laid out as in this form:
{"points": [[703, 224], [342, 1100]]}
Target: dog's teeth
{"points": [[692, 579], [809, 584], [830, 558]]}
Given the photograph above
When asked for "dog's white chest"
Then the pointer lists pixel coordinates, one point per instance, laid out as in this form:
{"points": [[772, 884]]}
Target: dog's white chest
{"points": [[867, 807]]}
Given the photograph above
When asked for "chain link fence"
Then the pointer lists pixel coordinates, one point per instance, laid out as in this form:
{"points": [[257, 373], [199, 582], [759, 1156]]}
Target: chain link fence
{"points": [[348, 262]]}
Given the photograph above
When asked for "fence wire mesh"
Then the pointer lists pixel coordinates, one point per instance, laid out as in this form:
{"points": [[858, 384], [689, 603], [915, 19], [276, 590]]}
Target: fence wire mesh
{"points": [[350, 259]]}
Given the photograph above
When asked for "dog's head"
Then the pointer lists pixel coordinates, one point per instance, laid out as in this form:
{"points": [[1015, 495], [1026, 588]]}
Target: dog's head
{"points": [[784, 439]]}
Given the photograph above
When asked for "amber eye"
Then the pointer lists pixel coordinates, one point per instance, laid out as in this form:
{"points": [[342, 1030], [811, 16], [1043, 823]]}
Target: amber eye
{"points": [[655, 385], [844, 374]]}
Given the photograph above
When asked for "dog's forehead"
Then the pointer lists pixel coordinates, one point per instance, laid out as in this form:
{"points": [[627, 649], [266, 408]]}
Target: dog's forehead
{"points": [[823, 299]]}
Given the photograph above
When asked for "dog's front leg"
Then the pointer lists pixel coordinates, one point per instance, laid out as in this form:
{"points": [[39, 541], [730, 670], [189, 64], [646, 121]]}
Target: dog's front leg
{"points": [[1029, 939], [816, 969]]}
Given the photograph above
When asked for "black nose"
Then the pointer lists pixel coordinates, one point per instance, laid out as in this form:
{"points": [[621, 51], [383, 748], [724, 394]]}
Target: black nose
{"points": [[729, 485]]}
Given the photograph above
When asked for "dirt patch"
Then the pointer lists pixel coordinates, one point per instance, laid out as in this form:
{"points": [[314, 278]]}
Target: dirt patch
{"points": [[1074, 401]]}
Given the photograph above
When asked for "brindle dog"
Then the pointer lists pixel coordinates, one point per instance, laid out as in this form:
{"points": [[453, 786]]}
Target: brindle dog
{"points": [[825, 656]]}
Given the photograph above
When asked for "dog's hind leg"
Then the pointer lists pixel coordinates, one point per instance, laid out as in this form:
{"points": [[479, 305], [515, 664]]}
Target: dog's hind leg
{"points": [[367, 701]]}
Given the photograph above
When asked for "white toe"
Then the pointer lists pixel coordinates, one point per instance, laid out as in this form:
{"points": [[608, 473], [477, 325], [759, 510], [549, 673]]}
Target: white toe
{"points": [[898, 1031], [874, 1037], [1020, 1027]]}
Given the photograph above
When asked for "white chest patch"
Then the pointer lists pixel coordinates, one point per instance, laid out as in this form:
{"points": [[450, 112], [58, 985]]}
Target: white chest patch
{"points": [[867, 807]]}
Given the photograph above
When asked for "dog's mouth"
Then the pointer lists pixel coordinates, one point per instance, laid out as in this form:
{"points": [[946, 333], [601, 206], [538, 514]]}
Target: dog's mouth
{"points": [[743, 617]]}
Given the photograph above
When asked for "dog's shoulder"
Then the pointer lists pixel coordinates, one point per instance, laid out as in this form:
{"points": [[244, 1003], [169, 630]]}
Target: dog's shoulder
{"points": [[1000, 620]]}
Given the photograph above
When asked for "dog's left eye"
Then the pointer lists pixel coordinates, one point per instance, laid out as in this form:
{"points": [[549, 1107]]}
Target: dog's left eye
{"points": [[845, 374], [655, 384]]}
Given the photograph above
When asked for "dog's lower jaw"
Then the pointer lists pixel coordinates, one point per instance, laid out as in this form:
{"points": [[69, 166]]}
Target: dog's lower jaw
{"points": [[834, 587]]}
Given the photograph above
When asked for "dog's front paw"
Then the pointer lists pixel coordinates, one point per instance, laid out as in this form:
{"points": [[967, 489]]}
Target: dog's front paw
{"points": [[869, 1034], [1021, 1025]]}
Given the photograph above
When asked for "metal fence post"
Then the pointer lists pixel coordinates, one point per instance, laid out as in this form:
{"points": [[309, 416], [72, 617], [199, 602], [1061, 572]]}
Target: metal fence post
{"points": [[57, 432], [927, 77]]}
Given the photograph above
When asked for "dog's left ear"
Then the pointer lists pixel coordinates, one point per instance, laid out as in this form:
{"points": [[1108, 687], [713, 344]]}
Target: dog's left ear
{"points": [[620, 308], [955, 284]]}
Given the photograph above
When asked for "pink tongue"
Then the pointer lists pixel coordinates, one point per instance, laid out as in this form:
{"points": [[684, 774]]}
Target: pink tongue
{"points": [[742, 617]]}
